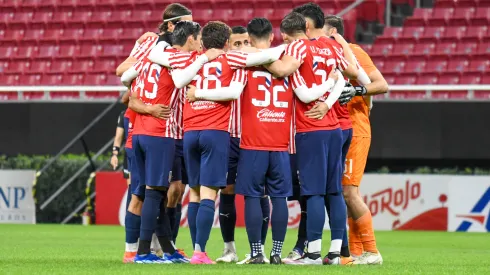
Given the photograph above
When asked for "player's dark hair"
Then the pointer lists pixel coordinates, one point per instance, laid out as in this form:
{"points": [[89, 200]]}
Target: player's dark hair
{"points": [[313, 12], [183, 30], [167, 37], [215, 34], [259, 27], [238, 30], [293, 23], [335, 22], [172, 11]]}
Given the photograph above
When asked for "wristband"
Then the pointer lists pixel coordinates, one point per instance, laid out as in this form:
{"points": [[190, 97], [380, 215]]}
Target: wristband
{"points": [[115, 148]]}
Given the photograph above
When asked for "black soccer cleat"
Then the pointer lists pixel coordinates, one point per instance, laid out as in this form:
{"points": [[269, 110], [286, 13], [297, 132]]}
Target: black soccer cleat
{"points": [[275, 259], [258, 259]]}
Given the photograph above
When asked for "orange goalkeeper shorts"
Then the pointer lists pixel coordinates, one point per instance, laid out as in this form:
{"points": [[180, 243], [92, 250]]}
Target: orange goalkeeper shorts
{"points": [[355, 161]]}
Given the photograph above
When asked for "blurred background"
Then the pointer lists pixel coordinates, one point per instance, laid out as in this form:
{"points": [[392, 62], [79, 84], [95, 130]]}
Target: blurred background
{"points": [[59, 101]]}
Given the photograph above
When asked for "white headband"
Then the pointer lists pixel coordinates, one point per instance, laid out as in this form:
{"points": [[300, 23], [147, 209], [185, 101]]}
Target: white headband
{"points": [[176, 17]]}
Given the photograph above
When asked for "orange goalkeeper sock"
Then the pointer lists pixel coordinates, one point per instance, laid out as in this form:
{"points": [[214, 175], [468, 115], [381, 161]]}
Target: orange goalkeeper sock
{"points": [[365, 225], [355, 243]]}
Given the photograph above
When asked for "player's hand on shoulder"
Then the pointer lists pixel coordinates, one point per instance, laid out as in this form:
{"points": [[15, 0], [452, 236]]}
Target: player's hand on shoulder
{"points": [[160, 111], [318, 111], [146, 35], [213, 53], [190, 94], [347, 94], [333, 74], [339, 38]]}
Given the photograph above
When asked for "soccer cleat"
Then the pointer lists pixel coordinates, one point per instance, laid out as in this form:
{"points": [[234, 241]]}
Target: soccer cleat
{"points": [[307, 259], [150, 259], [157, 252], [259, 259], [228, 257], [201, 258], [370, 259], [182, 252], [275, 259], [129, 257], [355, 257], [176, 258], [244, 261], [292, 256], [339, 260]]}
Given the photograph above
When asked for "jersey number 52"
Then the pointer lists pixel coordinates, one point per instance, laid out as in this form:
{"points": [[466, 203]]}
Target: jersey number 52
{"points": [[267, 91]]}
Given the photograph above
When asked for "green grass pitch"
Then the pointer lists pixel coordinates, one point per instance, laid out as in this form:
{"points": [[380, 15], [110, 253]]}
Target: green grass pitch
{"points": [[72, 249]]}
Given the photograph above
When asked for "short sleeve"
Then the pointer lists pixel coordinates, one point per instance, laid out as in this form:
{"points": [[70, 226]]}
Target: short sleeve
{"points": [[237, 59], [363, 58], [296, 49]]}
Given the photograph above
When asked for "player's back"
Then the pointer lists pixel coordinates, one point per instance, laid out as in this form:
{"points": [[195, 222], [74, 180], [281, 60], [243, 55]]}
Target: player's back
{"points": [[266, 111], [154, 85], [318, 61], [210, 115]]}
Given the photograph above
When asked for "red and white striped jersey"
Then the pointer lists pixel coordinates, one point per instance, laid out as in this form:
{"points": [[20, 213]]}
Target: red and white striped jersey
{"points": [[292, 134], [210, 115], [145, 48], [179, 115], [236, 118]]}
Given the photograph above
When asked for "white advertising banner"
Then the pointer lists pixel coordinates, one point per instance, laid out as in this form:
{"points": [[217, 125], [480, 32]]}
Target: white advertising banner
{"points": [[16, 201]]}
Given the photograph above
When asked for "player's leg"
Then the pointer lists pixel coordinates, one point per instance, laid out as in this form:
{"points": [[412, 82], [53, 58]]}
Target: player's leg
{"points": [[311, 153], [346, 139], [301, 241], [158, 153], [360, 223], [227, 210], [252, 170], [132, 221], [214, 146], [175, 191], [279, 187], [192, 160], [338, 214], [266, 217]]}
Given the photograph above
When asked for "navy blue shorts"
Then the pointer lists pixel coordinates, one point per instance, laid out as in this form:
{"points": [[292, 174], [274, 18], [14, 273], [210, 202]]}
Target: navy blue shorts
{"points": [[128, 157], [178, 168], [318, 156], [260, 171], [126, 127], [233, 157], [153, 158], [294, 177], [346, 140], [206, 157]]}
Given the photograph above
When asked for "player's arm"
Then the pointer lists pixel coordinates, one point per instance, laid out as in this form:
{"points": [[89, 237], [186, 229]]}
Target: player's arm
{"points": [[321, 109], [159, 55], [350, 70], [264, 56], [118, 138], [129, 75], [232, 92], [183, 76], [308, 95], [125, 97], [294, 54], [131, 60], [157, 110]]}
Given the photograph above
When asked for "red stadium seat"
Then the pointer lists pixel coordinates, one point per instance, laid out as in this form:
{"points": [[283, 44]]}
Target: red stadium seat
{"points": [[113, 50], [13, 35], [48, 51], [436, 66], [21, 18], [69, 51], [466, 48], [476, 33], [470, 79], [105, 66], [420, 18], [112, 79], [71, 35], [484, 49], [381, 50], [111, 35], [91, 34], [457, 65], [34, 35], [83, 66], [448, 80], [482, 16], [62, 17], [132, 34], [82, 17], [52, 35], [95, 79], [456, 3], [424, 49], [42, 17], [405, 80], [455, 33], [441, 16], [61, 66], [402, 49], [415, 67], [32, 80], [433, 33], [8, 52], [479, 65], [203, 16], [25, 52], [462, 16], [429, 79], [411, 34], [446, 49], [11, 80], [394, 67], [18, 67], [40, 67], [390, 34], [90, 51], [73, 79], [266, 13]]}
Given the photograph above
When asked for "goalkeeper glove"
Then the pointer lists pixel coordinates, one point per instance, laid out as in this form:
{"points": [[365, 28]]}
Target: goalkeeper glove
{"points": [[360, 90], [348, 93]]}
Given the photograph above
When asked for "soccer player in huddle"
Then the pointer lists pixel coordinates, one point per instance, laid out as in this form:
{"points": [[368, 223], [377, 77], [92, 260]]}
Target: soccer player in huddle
{"points": [[264, 162], [362, 241], [318, 141], [239, 39]]}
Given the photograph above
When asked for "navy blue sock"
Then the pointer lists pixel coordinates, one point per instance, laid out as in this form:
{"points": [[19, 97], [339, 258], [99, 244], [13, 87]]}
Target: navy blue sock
{"points": [[192, 209], [204, 220], [178, 217], [164, 231], [253, 221], [132, 223], [338, 217], [149, 215], [128, 197], [227, 217], [266, 215], [279, 219], [302, 240], [315, 209], [171, 218]]}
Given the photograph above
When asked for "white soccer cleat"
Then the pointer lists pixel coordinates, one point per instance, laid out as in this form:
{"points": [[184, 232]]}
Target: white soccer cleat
{"points": [[266, 260], [228, 257], [244, 261], [370, 258], [306, 261], [292, 256]]}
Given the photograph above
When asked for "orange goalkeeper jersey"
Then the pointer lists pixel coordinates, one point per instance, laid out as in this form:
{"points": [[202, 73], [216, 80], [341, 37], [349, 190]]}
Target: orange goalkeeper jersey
{"points": [[359, 106]]}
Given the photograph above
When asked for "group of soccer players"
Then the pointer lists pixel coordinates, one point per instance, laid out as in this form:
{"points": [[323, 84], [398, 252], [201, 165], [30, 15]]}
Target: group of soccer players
{"points": [[263, 122]]}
